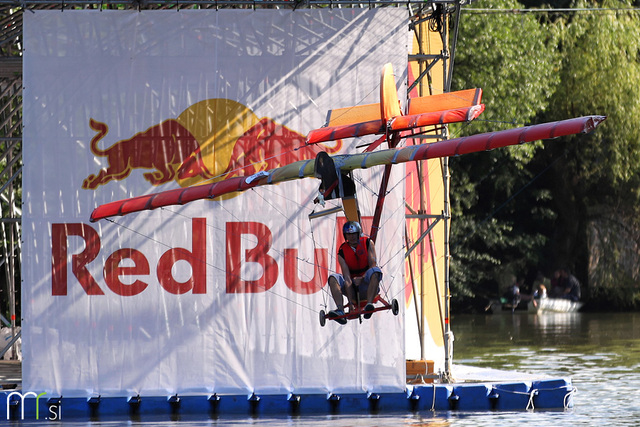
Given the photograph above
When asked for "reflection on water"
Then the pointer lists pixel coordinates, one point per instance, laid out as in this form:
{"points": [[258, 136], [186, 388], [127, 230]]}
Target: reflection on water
{"points": [[599, 352], [557, 333]]}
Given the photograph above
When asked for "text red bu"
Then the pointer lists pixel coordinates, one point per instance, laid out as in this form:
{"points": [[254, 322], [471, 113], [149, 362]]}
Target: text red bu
{"points": [[138, 267]]}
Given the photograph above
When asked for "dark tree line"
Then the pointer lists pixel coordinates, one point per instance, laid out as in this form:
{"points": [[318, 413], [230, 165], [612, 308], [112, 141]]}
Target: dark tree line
{"points": [[571, 202]]}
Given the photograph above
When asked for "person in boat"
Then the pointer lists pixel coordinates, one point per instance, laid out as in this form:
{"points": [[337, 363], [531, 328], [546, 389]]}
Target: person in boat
{"points": [[557, 284], [512, 295], [571, 285], [541, 292], [360, 278], [538, 294], [540, 287]]}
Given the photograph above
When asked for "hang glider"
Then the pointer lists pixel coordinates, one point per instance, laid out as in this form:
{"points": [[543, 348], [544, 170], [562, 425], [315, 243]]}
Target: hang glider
{"points": [[383, 118], [335, 172], [345, 163]]}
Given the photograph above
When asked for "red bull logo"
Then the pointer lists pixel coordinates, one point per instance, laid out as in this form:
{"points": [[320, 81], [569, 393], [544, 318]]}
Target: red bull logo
{"points": [[168, 149], [212, 139]]}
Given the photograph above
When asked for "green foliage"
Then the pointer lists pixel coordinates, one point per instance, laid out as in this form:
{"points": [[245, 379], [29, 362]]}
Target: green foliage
{"points": [[600, 75], [514, 59], [519, 210]]}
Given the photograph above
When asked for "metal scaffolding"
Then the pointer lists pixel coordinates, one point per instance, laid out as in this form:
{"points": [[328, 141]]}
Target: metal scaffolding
{"points": [[11, 12]]}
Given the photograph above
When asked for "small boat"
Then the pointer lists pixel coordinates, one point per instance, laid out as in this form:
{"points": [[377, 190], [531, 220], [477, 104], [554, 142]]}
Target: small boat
{"points": [[557, 305], [541, 305]]}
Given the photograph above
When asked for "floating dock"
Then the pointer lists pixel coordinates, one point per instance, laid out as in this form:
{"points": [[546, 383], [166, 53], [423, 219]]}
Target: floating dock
{"points": [[474, 389]]}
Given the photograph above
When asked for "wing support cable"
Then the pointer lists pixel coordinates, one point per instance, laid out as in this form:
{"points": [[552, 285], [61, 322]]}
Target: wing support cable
{"points": [[324, 289]]}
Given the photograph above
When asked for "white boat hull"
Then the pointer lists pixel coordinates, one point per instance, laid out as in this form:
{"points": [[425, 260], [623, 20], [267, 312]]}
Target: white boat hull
{"points": [[542, 305], [557, 305]]}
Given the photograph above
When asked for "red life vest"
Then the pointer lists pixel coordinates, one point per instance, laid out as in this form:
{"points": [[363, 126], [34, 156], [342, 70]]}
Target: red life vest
{"points": [[358, 260]]}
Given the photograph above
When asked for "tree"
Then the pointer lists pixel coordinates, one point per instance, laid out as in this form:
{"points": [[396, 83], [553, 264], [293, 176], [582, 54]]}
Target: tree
{"points": [[597, 186], [571, 202], [513, 57]]}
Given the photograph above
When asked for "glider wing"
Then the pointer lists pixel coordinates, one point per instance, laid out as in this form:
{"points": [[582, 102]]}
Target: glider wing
{"points": [[305, 168]]}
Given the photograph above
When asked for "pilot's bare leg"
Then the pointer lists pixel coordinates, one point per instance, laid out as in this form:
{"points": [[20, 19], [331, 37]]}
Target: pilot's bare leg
{"points": [[373, 288], [336, 293], [372, 291]]}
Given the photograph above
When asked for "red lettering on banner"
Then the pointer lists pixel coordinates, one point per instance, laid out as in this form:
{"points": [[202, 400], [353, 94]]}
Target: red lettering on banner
{"points": [[316, 283], [59, 249], [113, 271], [258, 254], [197, 259], [137, 264]]}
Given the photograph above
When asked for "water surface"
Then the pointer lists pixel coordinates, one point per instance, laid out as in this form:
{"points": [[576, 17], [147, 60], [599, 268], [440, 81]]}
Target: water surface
{"points": [[599, 352]]}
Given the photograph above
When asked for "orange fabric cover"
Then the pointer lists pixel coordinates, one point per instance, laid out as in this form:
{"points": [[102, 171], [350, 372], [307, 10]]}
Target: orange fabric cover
{"points": [[351, 115], [445, 101]]}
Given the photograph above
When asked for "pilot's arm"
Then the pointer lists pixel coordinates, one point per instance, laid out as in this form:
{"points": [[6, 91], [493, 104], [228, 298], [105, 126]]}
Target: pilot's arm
{"points": [[372, 254]]}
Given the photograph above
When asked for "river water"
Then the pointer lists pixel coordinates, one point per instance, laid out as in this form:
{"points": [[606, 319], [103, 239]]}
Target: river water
{"points": [[599, 352]]}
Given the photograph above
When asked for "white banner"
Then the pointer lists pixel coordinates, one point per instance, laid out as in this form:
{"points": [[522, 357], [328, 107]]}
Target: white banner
{"points": [[214, 296]]}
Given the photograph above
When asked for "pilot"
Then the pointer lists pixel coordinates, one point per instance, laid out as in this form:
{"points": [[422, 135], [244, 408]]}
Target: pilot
{"points": [[360, 273]]}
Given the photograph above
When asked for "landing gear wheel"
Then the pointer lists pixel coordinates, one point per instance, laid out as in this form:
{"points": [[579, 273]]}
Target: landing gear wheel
{"points": [[395, 308], [323, 318]]}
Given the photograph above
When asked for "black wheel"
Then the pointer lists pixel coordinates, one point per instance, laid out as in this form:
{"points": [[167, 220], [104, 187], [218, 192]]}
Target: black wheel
{"points": [[395, 308], [323, 318]]}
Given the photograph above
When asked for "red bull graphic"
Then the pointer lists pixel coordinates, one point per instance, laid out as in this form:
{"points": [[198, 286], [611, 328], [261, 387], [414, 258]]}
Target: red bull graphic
{"points": [[168, 149], [215, 139], [215, 297], [212, 139], [265, 146]]}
